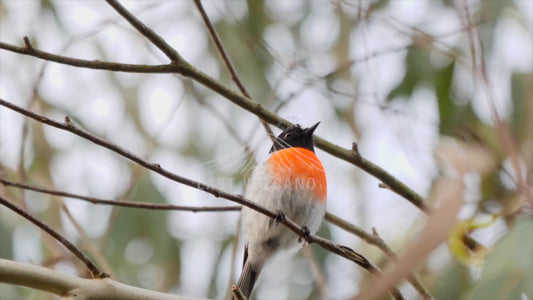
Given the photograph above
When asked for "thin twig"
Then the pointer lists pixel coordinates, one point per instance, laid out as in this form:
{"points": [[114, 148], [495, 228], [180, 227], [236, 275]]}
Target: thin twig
{"points": [[237, 294], [235, 246], [156, 39], [227, 61], [86, 242], [83, 63], [145, 205], [320, 279], [335, 248], [93, 269], [221, 51]]}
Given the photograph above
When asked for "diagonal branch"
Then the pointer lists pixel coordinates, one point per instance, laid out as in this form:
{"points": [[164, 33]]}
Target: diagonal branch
{"points": [[221, 51], [93, 200], [335, 248], [227, 61], [93, 269], [156, 39], [89, 64]]}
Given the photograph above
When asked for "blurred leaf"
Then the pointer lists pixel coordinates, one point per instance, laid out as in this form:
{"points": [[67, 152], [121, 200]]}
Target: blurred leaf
{"points": [[458, 247], [48, 6], [417, 70], [379, 4], [6, 236], [455, 119], [522, 96], [508, 270], [455, 280], [492, 188], [224, 245], [442, 82]]}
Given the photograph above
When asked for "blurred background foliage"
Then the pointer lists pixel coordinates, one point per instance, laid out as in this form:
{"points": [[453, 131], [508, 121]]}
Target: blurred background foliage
{"points": [[406, 80]]}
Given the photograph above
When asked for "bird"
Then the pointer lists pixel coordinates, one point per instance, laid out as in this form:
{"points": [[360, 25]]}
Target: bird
{"points": [[292, 182]]}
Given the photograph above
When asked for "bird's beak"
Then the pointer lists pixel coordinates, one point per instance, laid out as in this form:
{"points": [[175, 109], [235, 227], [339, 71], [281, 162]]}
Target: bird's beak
{"points": [[309, 131]]}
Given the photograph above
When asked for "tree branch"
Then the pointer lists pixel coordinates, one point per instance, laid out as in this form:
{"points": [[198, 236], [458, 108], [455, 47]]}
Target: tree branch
{"points": [[156, 39], [93, 200], [93, 269], [340, 250], [71, 287], [227, 61], [89, 64]]}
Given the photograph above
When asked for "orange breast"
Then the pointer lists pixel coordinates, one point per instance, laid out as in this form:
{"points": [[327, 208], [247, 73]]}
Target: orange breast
{"points": [[300, 168]]}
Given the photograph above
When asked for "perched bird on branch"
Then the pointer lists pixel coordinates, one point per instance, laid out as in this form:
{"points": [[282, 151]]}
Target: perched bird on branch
{"points": [[293, 182]]}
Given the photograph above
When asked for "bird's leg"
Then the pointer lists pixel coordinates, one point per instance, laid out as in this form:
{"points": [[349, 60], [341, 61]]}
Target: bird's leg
{"points": [[306, 234], [280, 217]]}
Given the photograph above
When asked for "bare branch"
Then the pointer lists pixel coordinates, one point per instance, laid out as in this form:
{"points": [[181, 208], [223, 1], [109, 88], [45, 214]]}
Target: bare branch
{"points": [[237, 293], [71, 287], [89, 64], [221, 51], [320, 278], [156, 39], [227, 61], [154, 206], [93, 269]]}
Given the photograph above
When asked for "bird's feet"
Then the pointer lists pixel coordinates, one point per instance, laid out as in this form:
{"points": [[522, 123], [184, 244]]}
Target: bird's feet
{"points": [[280, 217], [306, 234]]}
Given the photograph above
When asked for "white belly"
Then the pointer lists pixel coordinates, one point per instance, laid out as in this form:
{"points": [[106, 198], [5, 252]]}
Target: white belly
{"points": [[262, 236]]}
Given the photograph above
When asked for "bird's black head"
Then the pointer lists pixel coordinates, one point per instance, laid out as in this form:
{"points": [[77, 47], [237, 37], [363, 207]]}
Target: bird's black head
{"points": [[295, 136]]}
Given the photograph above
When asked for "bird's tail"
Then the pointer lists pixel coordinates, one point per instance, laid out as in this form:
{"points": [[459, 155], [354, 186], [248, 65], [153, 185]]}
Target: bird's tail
{"points": [[248, 278]]}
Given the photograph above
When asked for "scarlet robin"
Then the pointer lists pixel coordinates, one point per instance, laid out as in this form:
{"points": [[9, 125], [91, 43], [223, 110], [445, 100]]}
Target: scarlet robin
{"points": [[293, 182]]}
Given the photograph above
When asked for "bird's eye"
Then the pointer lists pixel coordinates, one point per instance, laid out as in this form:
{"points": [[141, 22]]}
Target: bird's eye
{"points": [[288, 135]]}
